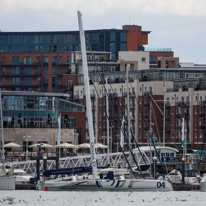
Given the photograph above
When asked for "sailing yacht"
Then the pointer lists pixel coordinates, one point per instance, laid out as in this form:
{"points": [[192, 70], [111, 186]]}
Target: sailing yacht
{"points": [[99, 182]]}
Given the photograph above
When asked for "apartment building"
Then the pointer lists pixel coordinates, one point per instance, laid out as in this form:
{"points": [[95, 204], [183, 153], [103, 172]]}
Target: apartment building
{"points": [[139, 94]]}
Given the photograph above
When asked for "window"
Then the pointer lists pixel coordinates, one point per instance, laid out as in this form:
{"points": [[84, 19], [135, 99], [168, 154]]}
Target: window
{"points": [[172, 111], [200, 98], [3, 79], [123, 47], [177, 122], [177, 111], [140, 116], [172, 134], [140, 124], [195, 134], [3, 58], [187, 98], [176, 134], [140, 89], [112, 36], [145, 88], [140, 136], [195, 124], [196, 111], [45, 69], [143, 59], [123, 36], [200, 134]]}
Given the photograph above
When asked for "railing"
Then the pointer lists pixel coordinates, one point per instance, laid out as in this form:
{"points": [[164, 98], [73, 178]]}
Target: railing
{"points": [[20, 62], [67, 87], [21, 83], [76, 97], [16, 73]]}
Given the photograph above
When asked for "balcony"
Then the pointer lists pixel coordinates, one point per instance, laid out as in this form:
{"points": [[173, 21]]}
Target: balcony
{"points": [[184, 104], [146, 117], [179, 116], [203, 128], [20, 73], [68, 87], [20, 62], [203, 103], [147, 93], [203, 116], [76, 97], [132, 106], [178, 128], [146, 105], [92, 96], [132, 94], [167, 105], [20, 83], [132, 118], [167, 117], [63, 62]]}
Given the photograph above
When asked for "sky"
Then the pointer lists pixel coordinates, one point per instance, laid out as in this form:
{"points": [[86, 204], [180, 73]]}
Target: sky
{"points": [[176, 24]]}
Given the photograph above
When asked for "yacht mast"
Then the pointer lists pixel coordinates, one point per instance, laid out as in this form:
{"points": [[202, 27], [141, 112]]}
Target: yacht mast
{"points": [[107, 105], [128, 115], [2, 129], [87, 95]]}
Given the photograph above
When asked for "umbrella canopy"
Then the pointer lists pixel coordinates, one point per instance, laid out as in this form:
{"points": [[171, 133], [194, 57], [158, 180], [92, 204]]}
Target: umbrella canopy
{"points": [[84, 145], [98, 145], [66, 145], [11, 144], [42, 145]]}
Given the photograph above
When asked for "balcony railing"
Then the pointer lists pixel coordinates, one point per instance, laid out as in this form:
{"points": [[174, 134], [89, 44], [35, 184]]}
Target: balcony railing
{"points": [[20, 62], [18, 73], [67, 87], [76, 97], [21, 83]]}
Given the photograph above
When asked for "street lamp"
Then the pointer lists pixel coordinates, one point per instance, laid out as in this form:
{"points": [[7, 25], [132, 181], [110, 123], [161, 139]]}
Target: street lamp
{"points": [[27, 137]]}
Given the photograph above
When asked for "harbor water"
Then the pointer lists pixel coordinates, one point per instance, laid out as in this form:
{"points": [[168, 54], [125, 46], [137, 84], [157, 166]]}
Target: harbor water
{"points": [[28, 197]]}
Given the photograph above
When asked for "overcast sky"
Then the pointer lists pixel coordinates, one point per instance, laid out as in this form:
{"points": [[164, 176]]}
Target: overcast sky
{"points": [[176, 24]]}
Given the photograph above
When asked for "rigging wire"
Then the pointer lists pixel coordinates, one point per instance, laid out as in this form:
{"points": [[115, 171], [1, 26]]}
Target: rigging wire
{"points": [[149, 133], [116, 116]]}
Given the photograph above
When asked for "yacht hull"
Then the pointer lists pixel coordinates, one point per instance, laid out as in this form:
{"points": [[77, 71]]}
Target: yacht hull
{"points": [[109, 185]]}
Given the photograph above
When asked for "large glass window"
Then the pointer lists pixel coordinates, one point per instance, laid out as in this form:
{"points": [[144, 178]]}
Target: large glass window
{"points": [[112, 47], [27, 60], [45, 84], [123, 47], [31, 39], [15, 39], [46, 38], [59, 38], [72, 38], [123, 36], [112, 36]]}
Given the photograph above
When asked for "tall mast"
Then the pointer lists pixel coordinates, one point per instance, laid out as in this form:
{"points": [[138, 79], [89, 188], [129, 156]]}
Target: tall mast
{"points": [[107, 122], [87, 95], [128, 114], [2, 129]]}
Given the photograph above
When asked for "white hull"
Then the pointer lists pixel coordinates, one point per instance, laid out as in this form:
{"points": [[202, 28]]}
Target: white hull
{"points": [[7, 183], [108, 185]]}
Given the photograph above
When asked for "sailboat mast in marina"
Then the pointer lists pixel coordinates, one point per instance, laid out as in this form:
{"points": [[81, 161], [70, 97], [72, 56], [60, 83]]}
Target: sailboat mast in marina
{"points": [[87, 95]]}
